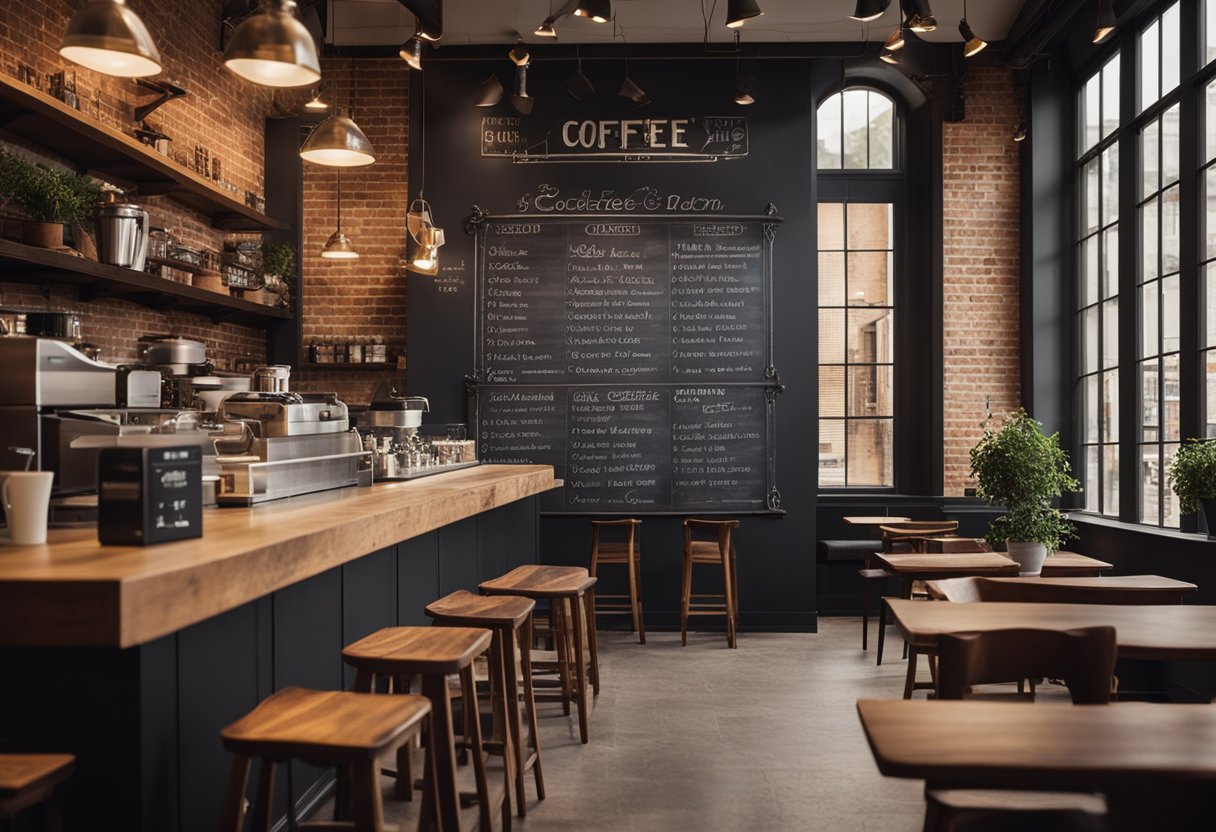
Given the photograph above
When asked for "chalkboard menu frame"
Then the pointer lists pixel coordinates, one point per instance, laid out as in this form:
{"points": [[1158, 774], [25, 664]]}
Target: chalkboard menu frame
{"points": [[745, 392]]}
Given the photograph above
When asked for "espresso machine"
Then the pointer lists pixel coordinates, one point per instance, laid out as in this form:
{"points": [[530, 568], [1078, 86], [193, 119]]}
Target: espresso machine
{"points": [[402, 447]]}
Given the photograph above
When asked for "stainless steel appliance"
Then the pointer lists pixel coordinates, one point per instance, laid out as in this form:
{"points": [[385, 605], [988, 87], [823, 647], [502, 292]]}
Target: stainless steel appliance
{"points": [[274, 378], [283, 444], [122, 234], [401, 447]]}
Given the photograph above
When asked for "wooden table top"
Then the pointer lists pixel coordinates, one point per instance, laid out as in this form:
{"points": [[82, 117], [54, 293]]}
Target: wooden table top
{"points": [[1117, 589], [916, 564], [1020, 745], [874, 520], [1145, 583], [1159, 632], [73, 591], [1065, 563]]}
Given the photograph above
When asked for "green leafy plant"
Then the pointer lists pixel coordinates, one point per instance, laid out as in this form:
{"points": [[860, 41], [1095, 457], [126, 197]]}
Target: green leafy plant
{"points": [[1192, 474], [47, 194], [1022, 469], [281, 260]]}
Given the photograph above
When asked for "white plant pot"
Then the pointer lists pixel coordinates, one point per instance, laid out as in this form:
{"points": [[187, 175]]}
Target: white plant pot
{"points": [[1028, 556]]}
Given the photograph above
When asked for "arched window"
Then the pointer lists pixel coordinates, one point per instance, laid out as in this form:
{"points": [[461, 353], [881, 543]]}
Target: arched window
{"points": [[859, 194]]}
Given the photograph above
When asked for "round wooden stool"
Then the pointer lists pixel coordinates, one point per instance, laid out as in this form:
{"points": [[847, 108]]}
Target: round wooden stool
{"points": [[28, 780], [434, 653], [510, 619], [571, 593], [627, 553], [349, 731], [715, 548]]}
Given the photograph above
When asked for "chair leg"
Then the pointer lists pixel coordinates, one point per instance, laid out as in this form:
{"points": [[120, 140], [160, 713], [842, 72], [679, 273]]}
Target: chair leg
{"points": [[472, 735], [525, 653], [580, 668], [263, 807], [557, 615], [593, 652], [882, 627], [910, 678], [865, 614], [428, 820], [234, 796], [729, 603], [441, 750], [510, 677], [685, 592], [369, 808], [635, 604]]}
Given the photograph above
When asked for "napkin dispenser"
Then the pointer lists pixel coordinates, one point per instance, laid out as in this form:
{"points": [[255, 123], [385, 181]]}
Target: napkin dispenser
{"points": [[149, 495]]}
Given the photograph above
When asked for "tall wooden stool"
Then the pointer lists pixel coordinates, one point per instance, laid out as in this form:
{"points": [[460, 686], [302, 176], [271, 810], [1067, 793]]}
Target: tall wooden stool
{"points": [[510, 619], [570, 591], [28, 780], [714, 548], [627, 553], [349, 731], [434, 653]]}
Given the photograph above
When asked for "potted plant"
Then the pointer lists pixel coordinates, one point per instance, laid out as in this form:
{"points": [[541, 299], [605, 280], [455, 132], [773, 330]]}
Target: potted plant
{"points": [[49, 197], [1192, 476], [279, 268], [1024, 470]]}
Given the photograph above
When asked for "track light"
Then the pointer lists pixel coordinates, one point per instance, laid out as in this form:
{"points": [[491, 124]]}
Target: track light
{"points": [[108, 37], [579, 85], [272, 48], [1106, 23], [546, 30], [867, 10], [632, 93], [921, 23], [1019, 132], [411, 52], [889, 56], [895, 40], [973, 44], [739, 12], [489, 93], [743, 89], [599, 11], [424, 239]]}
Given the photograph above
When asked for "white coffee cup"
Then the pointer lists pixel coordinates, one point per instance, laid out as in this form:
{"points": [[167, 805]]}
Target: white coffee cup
{"points": [[26, 496]]}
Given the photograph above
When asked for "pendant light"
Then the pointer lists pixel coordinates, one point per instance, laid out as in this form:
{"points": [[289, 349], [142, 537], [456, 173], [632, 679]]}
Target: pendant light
{"points": [[579, 85], [272, 48], [895, 40], [867, 10], [423, 238], [1106, 22], [890, 56], [743, 83], [599, 11], [520, 99], [546, 30], [108, 37], [411, 52], [339, 246], [338, 142], [315, 103], [489, 93], [739, 12], [1019, 132], [973, 44]]}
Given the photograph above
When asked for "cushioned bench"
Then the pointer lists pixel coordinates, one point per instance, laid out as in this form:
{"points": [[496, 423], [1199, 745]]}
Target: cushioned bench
{"points": [[844, 550]]}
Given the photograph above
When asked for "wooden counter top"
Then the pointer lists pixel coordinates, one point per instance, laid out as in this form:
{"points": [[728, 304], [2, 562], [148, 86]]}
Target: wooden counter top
{"points": [[75, 592]]}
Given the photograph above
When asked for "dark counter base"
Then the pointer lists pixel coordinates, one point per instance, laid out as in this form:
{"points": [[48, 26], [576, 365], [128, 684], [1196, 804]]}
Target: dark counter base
{"points": [[144, 722]]}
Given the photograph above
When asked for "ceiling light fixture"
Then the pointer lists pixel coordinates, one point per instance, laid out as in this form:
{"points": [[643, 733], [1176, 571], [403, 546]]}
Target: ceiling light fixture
{"points": [[338, 142], [520, 99], [489, 92], [743, 89], [867, 10], [632, 93], [739, 12], [272, 48], [890, 56], [546, 30], [1019, 132], [599, 11], [315, 103], [973, 44], [108, 37], [339, 246], [579, 85], [424, 239], [519, 54], [895, 40], [411, 52], [921, 23], [1106, 24]]}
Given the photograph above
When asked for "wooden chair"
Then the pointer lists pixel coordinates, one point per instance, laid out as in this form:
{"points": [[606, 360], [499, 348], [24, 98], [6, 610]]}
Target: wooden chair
{"points": [[434, 653], [714, 548], [1084, 659], [627, 553], [570, 591], [348, 731], [510, 619], [958, 590], [1032, 591], [28, 780], [908, 536]]}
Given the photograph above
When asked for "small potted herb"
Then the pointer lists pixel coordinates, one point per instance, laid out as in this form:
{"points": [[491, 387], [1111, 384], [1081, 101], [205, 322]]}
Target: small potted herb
{"points": [[1192, 476], [49, 197], [279, 268], [1024, 470]]}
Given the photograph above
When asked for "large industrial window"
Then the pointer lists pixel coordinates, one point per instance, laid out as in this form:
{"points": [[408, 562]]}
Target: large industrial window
{"points": [[1207, 252], [1098, 287], [856, 131]]}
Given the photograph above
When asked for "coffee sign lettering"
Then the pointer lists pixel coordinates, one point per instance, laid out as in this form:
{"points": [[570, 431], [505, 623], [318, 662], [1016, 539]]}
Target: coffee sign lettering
{"points": [[689, 139]]}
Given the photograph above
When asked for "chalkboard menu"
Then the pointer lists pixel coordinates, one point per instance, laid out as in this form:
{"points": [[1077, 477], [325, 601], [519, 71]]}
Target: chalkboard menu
{"points": [[632, 353]]}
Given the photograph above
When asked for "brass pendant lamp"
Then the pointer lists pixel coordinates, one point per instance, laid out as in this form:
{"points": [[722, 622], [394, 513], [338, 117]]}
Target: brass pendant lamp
{"points": [[273, 48], [339, 246], [108, 37], [338, 142]]}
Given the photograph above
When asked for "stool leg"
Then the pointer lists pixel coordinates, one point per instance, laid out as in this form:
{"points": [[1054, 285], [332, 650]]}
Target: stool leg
{"points": [[472, 735], [592, 640], [51, 820], [728, 602], [234, 796], [685, 591], [442, 750], [525, 652], [580, 667], [865, 614], [557, 615], [635, 588], [263, 808], [365, 786], [506, 639], [427, 819]]}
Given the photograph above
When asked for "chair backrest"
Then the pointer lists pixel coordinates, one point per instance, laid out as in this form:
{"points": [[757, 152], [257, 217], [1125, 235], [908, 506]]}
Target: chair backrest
{"points": [[1033, 591], [631, 522], [958, 590], [719, 530], [1083, 658], [897, 534]]}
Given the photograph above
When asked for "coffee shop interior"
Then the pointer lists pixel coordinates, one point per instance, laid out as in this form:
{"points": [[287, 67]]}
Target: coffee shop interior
{"points": [[639, 414]]}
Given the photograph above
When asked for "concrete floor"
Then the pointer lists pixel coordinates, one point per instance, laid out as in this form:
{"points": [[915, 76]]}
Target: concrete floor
{"points": [[764, 737]]}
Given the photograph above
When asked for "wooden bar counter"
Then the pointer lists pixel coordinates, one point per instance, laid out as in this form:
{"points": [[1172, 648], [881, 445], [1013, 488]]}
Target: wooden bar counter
{"points": [[133, 658]]}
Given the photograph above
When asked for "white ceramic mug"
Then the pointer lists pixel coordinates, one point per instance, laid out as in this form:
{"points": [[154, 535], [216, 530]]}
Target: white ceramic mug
{"points": [[26, 496]]}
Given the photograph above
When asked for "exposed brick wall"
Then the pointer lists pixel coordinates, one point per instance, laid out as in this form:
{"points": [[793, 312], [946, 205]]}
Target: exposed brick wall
{"points": [[222, 112], [981, 265], [364, 297]]}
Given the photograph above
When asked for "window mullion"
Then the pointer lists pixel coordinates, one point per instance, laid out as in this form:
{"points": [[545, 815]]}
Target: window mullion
{"points": [[1128, 280]]}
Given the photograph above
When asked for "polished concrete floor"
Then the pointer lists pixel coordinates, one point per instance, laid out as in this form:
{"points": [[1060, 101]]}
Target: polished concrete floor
{"points": [[764, 737]]}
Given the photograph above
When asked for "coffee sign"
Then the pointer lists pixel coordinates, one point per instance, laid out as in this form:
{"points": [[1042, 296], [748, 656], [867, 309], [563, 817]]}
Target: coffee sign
{"points": [[687, 139]]}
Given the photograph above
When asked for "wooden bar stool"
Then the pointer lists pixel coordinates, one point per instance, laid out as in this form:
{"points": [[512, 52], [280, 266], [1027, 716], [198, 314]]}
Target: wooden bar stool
{"points": [[434, 653], [510, 619], [628, 554], [27, 780], [571, 593], [715, 549], [349, 731]]}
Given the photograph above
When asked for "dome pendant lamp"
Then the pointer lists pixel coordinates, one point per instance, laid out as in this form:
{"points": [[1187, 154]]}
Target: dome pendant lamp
{"points": [[599, 11], [108, 37], [973, 44], [339, 246], [272, 48], [739, 12], [338, 142]]}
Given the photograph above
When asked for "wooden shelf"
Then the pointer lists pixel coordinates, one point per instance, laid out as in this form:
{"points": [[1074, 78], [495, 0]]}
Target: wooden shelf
{"points": [[368, 366], [27, 264], [116, 157]]}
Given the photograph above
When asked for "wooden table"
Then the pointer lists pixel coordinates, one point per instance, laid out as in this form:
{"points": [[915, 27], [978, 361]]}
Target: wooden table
{"points": [[1156, 764], [1160, 590], [874, 520], [918, 566], [1070, 564]]}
